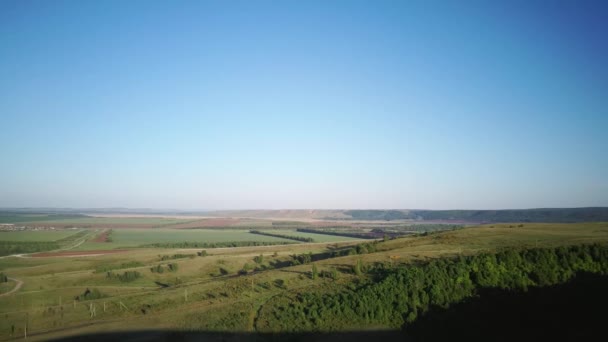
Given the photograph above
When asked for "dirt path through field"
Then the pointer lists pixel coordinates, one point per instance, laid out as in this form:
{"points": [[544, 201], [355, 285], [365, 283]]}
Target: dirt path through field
{"points": [[15, 289], [27, 255]]}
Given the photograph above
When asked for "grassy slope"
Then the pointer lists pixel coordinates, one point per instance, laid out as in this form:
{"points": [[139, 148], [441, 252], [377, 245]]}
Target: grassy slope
{"points": [[316, 237], [228, 302]]}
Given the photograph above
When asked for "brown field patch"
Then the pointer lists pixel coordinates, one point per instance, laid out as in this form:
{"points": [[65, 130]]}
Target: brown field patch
{"points": [[76, 253], [103, 237]]}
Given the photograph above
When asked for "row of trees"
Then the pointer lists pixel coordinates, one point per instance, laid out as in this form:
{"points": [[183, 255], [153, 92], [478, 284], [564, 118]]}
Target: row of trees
{"points": [[125, 277], [175, 256], [189, 244], [403, 293], [331, 274], [337, 233], [284, 236], [161, 269], [306, 258], [109, 236], [111, 267]]}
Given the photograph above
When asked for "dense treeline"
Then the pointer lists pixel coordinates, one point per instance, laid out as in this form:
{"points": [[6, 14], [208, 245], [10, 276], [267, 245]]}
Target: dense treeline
{"points": [[109, 237], [22, 247], [214, 244], [399, 295], [175, 256], [306, 258], [125, 277], [337, 233], [424, 227], [161, 269], [574, 310], [283, 236]]}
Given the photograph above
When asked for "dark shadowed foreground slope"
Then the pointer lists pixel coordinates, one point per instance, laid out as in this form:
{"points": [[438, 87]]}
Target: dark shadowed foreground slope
{"points": [[573, 311]]}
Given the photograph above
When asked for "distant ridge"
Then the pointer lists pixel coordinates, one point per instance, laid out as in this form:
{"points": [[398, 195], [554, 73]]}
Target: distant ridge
{"points": [[552, 215], [549, 215]]}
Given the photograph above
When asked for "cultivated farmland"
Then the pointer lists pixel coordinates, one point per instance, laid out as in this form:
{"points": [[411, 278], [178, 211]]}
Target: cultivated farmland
{"points": [[124, 238], [31, 235]]}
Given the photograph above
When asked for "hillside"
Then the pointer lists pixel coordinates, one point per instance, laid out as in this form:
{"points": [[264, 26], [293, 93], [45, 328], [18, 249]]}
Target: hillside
{"points": [[565, 215]]}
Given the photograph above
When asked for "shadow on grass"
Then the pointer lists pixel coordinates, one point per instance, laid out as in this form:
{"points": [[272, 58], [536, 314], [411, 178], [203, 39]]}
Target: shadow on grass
{"points": [[573, 311], [155, 335]]}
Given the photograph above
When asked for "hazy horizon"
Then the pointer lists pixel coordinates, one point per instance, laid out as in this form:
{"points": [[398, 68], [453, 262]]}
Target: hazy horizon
{"points": [[313, 104]]}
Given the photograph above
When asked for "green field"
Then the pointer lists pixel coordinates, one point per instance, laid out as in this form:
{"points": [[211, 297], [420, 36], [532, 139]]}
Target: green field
{"points": [[18, 218], [39, 235], [157, 221], [122, 238], [315, 237]]}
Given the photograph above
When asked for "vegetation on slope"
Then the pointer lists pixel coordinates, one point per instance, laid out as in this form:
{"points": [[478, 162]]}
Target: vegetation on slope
{"points": [[399, 295], [283, 236], [337, 233]]}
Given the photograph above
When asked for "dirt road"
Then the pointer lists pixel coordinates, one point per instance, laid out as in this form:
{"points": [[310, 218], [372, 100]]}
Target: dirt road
{"points": [[15, 289]]}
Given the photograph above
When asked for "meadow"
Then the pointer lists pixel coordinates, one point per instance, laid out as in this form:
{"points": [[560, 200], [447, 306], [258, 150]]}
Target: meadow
{"points": [[233, 289], [315, 237], [125, 238], [20, 242]]}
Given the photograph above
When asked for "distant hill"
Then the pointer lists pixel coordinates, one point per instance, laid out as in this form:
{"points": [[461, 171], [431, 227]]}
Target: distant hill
{"points": [[566, 215], [549, 215], [592, 214]]}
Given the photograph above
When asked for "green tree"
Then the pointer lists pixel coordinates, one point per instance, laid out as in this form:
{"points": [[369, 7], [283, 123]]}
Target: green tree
{"points": [[259, 259], [358, 269], [315, 272]]}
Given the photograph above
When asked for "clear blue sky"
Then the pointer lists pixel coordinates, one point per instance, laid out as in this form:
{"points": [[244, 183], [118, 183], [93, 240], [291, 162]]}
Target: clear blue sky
{"points": [[304, 104]]}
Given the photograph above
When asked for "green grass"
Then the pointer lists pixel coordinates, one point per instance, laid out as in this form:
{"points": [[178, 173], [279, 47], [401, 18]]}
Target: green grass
{"points": [[5, 287], [157, 221], [315, 237], [199, 235], [18, 218], [122, 238], [40, 235]]}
